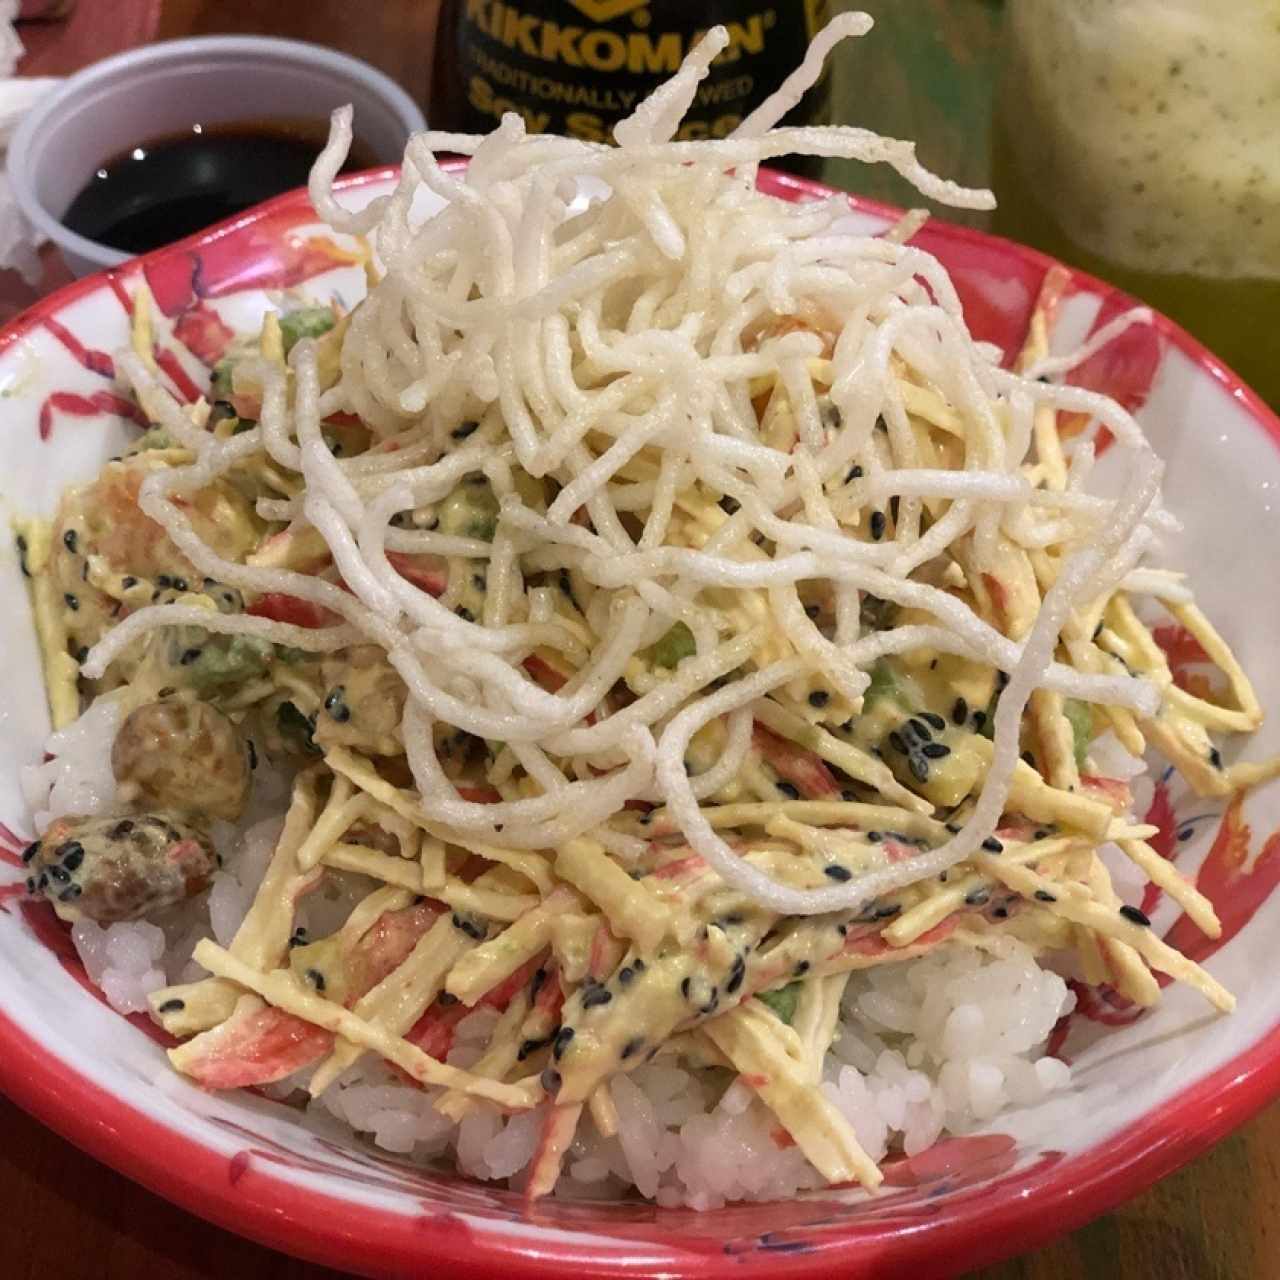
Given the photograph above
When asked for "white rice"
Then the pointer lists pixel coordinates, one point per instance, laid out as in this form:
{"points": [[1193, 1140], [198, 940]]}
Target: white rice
{"points": [[78, 779], [929, 1047]]}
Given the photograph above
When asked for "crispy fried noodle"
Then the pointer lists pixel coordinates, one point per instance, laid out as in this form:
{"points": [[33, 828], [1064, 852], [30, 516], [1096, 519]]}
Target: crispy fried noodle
{"points": [[665, 602]]}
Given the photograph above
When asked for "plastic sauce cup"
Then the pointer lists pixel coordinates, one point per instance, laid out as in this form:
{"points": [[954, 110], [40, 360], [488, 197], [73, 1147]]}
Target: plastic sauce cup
{"points": [[163, 89]]}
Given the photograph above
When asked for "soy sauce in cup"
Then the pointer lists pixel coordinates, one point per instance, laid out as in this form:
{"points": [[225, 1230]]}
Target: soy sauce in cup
{"points": [[173, 186]]}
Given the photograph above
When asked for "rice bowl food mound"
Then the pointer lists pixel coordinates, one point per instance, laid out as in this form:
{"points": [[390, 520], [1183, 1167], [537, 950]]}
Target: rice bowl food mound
{"points": [[641, 704]]}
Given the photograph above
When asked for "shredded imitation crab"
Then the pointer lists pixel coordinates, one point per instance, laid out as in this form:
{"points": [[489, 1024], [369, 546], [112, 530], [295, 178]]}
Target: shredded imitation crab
{"points": [[732, 619]]}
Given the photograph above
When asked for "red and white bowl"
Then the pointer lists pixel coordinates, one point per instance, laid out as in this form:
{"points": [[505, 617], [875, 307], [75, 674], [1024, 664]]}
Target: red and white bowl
{"points": [[1150, 1093]]}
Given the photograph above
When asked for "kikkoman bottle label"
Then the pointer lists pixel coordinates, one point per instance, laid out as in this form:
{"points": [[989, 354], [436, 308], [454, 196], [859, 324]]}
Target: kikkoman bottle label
{"points": [[576, 67]]}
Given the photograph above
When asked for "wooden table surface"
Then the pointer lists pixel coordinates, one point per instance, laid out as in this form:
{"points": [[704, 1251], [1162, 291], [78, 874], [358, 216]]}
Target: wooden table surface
{"points": [[68, 1217]]}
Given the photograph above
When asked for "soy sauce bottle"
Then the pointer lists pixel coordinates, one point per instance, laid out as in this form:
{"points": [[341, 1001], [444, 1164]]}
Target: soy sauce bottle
{"points": [[577, 67]]}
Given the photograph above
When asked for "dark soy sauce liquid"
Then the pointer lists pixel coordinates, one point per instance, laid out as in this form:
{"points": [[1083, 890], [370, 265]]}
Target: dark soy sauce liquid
{"points": [[170, 187]]}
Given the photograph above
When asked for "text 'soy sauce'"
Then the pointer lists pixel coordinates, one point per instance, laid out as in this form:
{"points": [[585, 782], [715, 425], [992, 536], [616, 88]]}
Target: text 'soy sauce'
{"points": [[577, 67]]}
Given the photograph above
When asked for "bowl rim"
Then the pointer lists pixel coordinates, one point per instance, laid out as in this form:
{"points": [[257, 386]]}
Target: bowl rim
{"points": [[18, 163], [1021, 1213]]}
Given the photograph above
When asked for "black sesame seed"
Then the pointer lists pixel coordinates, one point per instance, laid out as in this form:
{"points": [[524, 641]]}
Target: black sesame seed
{"points": [[736, 975], [934, 719], [172, 1006], [992, 845], [596, 996], [163, 580], [72, 849], [877, 525], [836, 872], [1215, 757], [920, 729], [69, 540], [564, 1037], [789, 789], [1040, 835], [632, 1047], [959, 711], [919, 768], [180, 584], [638, 965], [539, 977], [625, 975], [979, 719], [875, 836], [801, 969], [316, 978], [469, 927], [819, 698], [1043, 895], [31, 850], [462, 432], [21, 543], [70, 893], [550, 1080], [935, 750], [686, 985], [336, 706], [888, 910], [59, 874], [897, 743], [854, 473], [253, 754], [72, 603], [1135, 915], [72, 860], [978, 898]]}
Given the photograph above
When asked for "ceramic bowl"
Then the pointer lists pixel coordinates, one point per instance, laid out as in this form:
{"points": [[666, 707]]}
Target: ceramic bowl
{"points": [[1150, 1091]]}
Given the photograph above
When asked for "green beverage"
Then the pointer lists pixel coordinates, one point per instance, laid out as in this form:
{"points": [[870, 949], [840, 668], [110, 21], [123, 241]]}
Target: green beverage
{"points": [[1140, 140]]}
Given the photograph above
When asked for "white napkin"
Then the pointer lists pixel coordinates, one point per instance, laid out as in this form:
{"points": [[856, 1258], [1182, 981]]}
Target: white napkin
{"points": [[18, 94]]}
